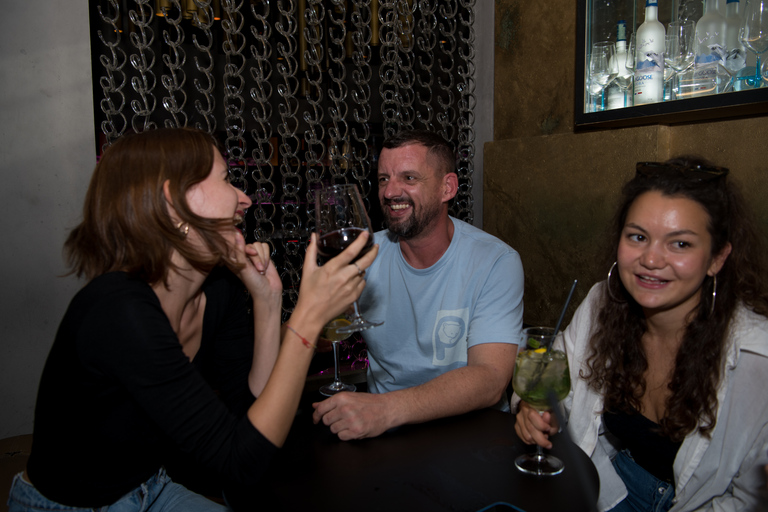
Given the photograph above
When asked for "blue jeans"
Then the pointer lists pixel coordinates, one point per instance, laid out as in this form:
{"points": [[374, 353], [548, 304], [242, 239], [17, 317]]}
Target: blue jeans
{"points": [[646, 492], [158, 494]]}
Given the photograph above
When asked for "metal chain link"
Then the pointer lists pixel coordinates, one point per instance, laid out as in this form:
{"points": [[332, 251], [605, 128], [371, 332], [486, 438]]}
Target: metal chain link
{"points": [[447, 27], [361, 96], [174, 60], [463, 204], [292, 234], [143, 61], [234, 86], [314, 150], [204, 64], [390, 67], [406, 76], [264, 152], [426, 41], [339, 147], [113, 82]]}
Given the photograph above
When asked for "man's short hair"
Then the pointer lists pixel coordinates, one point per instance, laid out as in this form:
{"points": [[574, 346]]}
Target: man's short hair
{"points": [[437, 147]]}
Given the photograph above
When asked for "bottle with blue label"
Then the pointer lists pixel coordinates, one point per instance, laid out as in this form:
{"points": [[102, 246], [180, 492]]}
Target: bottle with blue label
{"points": [[617, 91], [649, 57]]}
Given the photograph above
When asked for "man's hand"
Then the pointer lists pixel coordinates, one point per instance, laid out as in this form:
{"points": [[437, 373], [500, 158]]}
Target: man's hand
{"points": [[355, 415]]}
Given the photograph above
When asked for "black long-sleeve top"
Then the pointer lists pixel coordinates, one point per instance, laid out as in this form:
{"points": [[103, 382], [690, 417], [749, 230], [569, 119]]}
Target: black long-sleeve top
{"points": [[117, 390]]}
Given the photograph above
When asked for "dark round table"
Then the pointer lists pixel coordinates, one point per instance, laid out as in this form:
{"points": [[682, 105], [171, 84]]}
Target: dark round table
{"points": [[463, 463]]}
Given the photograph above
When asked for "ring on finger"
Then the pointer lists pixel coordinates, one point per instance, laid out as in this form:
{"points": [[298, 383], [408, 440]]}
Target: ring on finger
{"points": [[359, 271]]}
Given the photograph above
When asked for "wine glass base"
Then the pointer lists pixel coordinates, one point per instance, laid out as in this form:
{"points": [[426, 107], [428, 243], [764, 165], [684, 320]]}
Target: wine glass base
{"points": [[543, 465], [358, 325], [336, 387]]}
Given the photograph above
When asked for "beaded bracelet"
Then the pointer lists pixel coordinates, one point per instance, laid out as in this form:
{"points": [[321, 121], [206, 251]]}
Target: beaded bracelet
{"points": [[304, 340]]}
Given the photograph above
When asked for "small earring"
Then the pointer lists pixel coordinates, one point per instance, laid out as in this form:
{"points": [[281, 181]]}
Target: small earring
{"points": [[714, 295], [608, 284], [183, 228]]}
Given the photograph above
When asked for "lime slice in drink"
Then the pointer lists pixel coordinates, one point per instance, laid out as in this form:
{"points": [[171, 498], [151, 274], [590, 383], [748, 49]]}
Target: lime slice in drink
{"points": [[330, 330]]}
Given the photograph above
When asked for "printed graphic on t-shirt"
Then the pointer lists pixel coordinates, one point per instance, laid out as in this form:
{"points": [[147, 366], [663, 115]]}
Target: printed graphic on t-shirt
{"points": [[449, 338]]}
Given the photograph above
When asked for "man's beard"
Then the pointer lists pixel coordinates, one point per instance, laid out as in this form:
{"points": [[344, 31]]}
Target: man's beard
{"points": [[413, 225]]}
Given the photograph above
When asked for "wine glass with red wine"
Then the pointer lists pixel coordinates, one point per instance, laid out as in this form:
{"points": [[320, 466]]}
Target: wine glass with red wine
{"points": [[341, 217]]}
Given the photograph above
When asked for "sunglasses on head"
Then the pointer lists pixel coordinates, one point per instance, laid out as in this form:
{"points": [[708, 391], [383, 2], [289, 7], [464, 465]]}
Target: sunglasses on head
{"points": [[693, 172]]}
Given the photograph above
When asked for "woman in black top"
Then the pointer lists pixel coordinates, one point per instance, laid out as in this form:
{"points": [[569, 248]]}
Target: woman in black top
{"points": [[161, 322]]}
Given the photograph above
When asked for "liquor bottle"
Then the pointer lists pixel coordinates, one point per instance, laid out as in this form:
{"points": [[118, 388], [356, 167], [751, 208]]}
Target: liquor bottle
{"points": [[737, 55], [710, 49], [617, 91], [649, 61]]}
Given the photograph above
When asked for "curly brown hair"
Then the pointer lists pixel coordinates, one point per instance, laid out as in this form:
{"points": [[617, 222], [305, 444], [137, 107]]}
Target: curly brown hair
{"points": [[126, 224], [617, 361]]}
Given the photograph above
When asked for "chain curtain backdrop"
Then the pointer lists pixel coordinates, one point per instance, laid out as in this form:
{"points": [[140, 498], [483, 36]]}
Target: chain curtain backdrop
{"points": [[300, 93]]}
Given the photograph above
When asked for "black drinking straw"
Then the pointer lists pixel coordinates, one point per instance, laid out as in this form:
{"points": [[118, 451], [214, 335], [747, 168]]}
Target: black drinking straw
{"points": [[562, 314]]}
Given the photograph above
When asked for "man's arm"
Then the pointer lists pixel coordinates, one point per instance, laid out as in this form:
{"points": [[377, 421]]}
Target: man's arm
{"points": [[479, 384]]}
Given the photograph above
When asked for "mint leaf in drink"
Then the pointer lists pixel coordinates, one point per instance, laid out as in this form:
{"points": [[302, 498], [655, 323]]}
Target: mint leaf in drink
{"points": [[533, 343]]}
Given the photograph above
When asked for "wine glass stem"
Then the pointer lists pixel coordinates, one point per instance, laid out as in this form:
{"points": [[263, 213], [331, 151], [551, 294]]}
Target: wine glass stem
{"points": [[758, 75], [336, 357], [357, 313]]}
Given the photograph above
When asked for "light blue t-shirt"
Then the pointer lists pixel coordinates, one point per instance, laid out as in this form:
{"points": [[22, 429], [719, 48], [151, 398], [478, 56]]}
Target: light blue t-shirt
{"points": [[472, 295]]}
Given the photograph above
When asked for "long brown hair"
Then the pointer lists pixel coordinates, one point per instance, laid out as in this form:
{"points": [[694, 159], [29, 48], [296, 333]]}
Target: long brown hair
{"points": [[126, 225], [617, 361]]}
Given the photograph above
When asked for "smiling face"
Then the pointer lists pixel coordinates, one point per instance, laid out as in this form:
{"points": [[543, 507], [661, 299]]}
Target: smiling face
{"points": [[412, 192], [215, 197], [664, 253]]}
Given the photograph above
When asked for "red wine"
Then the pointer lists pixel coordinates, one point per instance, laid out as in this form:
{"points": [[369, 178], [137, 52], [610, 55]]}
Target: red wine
{"points": [[331, 244]]}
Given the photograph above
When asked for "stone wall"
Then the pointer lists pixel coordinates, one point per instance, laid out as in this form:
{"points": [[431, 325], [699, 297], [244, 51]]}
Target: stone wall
{"points": [[550, 192]]}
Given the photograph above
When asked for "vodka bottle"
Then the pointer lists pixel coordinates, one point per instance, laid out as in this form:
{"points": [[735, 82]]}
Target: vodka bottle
{"points": [[737, 57], [617, 91], [649, 61], [710, 49]]}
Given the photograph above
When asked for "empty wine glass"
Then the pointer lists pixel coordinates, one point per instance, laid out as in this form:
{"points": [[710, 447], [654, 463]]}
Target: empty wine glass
{"points": [[625, 60], [680, 51], [631, 44], [603, 68], [754, 36]]}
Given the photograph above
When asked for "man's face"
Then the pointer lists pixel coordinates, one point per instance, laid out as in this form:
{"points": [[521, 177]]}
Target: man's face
{"points": [[410, 190]]}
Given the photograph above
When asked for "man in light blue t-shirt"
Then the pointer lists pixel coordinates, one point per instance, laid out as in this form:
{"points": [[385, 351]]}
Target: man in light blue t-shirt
{"points": [[450, 296]]}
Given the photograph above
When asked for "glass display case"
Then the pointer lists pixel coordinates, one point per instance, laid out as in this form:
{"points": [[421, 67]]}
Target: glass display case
{"points": [[669, 61]]}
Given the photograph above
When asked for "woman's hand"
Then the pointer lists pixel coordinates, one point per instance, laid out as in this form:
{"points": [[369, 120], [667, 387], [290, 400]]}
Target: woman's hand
{"points": [[532, 427], [257, 271], [330, 290]]}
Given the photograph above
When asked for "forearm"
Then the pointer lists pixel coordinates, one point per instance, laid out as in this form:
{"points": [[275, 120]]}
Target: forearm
{"points": [[455, 392], [266, 343], [273, 413]]}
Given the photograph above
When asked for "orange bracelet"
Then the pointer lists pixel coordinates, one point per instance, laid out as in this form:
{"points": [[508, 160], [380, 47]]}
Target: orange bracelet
{"points": [[304, 340]]}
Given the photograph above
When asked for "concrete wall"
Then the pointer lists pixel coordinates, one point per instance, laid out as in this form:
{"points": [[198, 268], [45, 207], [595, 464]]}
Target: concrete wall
{"points": [[550, 192], [46, 158]]}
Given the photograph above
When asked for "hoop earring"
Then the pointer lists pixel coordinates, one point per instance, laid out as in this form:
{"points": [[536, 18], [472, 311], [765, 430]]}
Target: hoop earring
{"points": [[714, 295], [183, 228], [608, 283]]}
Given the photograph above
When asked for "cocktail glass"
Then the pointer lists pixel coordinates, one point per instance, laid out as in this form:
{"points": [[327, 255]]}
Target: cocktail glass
{"points": [[332, 333], [540, 372]]}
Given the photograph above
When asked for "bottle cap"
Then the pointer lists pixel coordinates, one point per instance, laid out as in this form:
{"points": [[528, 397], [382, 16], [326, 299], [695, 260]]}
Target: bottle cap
{"points": [[621, 30]]}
